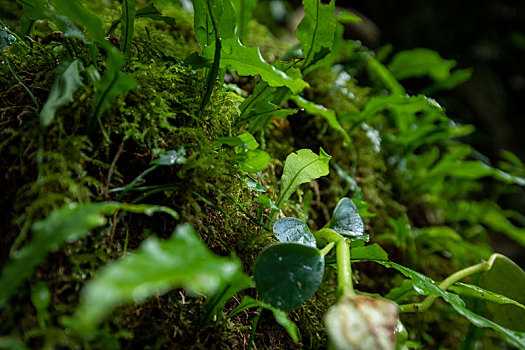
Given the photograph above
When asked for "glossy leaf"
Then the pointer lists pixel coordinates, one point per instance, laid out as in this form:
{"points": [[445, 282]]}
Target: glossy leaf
{"points": [[62, 91], [328, 114], [420, 62], [293, 230], [316, 30], [254, 160], [287, 274], [301, 167], [280, 316], [128, 25], [248, 61], [267, 202], [155, 268], [505, 277], [473, 291], [426, 286], [369, 252], [346, 219]]}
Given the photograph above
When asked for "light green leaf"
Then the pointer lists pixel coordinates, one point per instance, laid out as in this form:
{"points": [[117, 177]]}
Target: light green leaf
{"points": [[150, 11], [248, 141], [382, 75], [155, 268], [168, 158], [254, 160], [346, 17], [328, 114], [426, 286], [128, 25], [420, 62], [457, 77], [64, 225], [244, 10], [62, 91], [301, 167], [293, 230], [316, 30], [473, 291], [248, 61], [287, 274], [505, 277], [369, 252], [280, 316], [346, 219], [267, 202], [213, 19]]}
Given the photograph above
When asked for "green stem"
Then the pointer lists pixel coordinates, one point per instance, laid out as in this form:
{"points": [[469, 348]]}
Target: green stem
{"points": [[33, 98], [447, 282], [137, 179], [344, 269], [327, 249]]}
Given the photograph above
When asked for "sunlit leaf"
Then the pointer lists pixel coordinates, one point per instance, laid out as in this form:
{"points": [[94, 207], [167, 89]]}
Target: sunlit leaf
{"points": [[426, 286], [382, 75], [347, 17], [293, 230], [168, 158], [316, 30], [287, 274], [301, 167], [420, 62], [505, 277], [244, 11], [66, 84], [346, 219], [248, 61], [280, 316], [328, 114], [155, 268], [150, 11], [267, 202]]}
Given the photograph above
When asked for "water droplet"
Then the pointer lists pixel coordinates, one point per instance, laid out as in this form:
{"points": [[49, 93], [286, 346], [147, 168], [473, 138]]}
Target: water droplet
{"points": [[280, 258]]}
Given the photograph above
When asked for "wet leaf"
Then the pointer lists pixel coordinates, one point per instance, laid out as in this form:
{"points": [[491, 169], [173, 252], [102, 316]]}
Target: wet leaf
{"points": [[301, 167], [155, 268], [62, 91], [293, 230], [287, 274], [280, 316], [505, 277], [168, 158], [6, 39], [473, 291], [346, 219]]}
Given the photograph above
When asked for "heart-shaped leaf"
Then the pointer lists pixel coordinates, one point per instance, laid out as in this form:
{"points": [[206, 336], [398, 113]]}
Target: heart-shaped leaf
{"points": [[254, 160], [508, 279], [287, 274], [293, 230], [346, 219]]}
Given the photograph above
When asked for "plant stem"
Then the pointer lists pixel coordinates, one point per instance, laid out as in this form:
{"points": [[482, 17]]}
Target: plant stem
{"points": [[447, 282], [254, 327], [344, 269], [33, 98], [327, 248]]}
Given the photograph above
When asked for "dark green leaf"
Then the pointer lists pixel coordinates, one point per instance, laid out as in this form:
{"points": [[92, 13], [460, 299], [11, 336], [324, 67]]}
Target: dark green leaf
{"points": [[248, 61], [316, 30], [420, 62], [254, 160], [62, 91], [301, 167], [155, 268], [425, 286], [346, 219], [369, 252], [244, 10], [287, 274], [508, 279], [328, 114], [293, 230], [128, 25], [280, 316]]}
